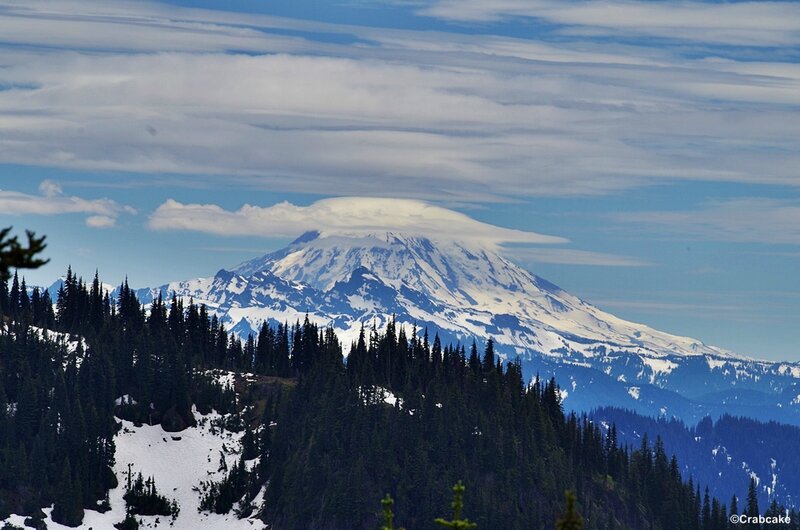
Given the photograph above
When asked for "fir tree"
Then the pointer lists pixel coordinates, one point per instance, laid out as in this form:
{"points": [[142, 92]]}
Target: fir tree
{"points": [[68, 509], [752, 499], [129, 523], [14, 255], [457, 523], [571, 519], [388, 515], [488, 356]]}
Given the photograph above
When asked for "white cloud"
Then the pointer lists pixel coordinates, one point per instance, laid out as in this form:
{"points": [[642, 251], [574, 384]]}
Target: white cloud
{"points": [[426, 115], [735, 23], [50, 188], [100, 221], [335, 125], [344, 215], [742, 220], [102, 212], [136, 26]]}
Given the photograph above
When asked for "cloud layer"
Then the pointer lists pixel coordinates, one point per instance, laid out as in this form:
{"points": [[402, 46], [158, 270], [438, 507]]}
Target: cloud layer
{"points": [[430, 115], [735, 23], [565, 256], [741, 220], [364, 215], [344, 215]]}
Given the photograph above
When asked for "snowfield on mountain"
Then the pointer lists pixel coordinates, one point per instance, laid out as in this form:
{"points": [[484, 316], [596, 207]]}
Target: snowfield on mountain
{"points": [[466, 291]]}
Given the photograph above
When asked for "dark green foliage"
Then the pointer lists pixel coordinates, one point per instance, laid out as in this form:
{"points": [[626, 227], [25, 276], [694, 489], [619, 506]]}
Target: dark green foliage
{"points": [[752, 499], [129, 523], [220, 497], [36, 521], [155, 364], [457, 523], [14, 255], [142, 498], [570, 519], [338, 441], [388, 514], [743, 439], [327, 440], [67, 509]]}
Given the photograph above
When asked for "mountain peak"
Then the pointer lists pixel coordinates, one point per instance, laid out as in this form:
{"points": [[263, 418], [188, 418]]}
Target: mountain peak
{"points": [[465, 291], [306, 237], [445, 270], [456, 277]]}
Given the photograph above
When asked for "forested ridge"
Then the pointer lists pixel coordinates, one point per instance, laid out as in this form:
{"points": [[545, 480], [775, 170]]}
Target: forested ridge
{"points": [[405, 415], [722, 452]]}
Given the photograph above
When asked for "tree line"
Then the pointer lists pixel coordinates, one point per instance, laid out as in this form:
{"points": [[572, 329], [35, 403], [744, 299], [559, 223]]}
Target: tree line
{"points": [[403, 415]]}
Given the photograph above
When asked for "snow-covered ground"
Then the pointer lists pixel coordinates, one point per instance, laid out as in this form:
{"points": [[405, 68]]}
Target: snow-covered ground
{"points": [[179, 462]]}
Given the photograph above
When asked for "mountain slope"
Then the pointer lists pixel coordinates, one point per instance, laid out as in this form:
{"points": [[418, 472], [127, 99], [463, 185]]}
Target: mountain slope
{"points": [[722, 454], [468, 292]]}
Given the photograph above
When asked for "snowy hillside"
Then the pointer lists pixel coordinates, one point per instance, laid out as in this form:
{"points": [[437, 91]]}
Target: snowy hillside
{"points": [[467, 291], [181, 464]]}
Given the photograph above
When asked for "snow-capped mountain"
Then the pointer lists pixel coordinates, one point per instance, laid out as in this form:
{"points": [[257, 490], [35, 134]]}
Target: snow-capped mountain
{"points": [[468, 291]]}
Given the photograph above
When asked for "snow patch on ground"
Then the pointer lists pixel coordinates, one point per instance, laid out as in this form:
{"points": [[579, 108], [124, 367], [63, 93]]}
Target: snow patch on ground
{"points": [[382, 395], [179, 462], [659, 367], [792, 370], [634, 392]]}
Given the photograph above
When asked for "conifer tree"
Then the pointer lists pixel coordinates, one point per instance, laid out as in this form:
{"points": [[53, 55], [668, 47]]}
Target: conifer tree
{"points": [[488, 356], [474, 361], [457, 523], [67, 509], [129, 523], [571, 519], [752, 499], [388, 515], [14, 255]]}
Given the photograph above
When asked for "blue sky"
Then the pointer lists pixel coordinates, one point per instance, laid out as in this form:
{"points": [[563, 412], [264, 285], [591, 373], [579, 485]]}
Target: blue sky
{"points": [[659, 140]]}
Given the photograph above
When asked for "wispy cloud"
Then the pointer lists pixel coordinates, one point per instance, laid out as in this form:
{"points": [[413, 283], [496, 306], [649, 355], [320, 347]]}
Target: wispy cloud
{"points": [[429, 115], [238, 250], [102, 213], [743, 220], [699, 309], [735, 23], [565, 256], [344, 215], [136, 26]]}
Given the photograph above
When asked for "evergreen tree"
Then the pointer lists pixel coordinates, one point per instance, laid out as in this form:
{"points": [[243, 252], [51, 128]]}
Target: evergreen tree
{"points": [[322, 448], [457, 523], [14, 255], [129, 523], [752, 499], [68, 509], [388, 515], [571, 519], [488, 356]]}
